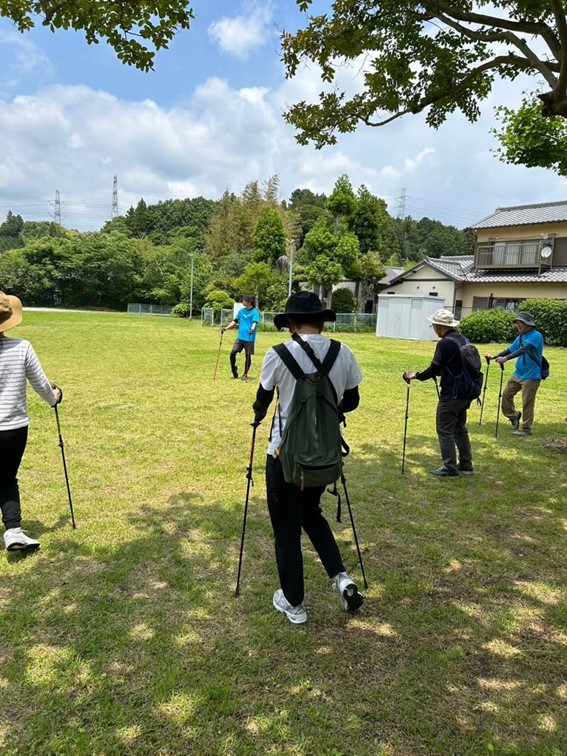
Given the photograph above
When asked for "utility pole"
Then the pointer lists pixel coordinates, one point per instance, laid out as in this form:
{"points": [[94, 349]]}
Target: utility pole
{"points": [[290, 282], [191, 294], [402, 215], [114, 213]]}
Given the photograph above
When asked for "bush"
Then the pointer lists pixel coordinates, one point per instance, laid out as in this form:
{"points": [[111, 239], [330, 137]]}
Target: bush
{"points": [[219, 300], [181, 310], [489, 326], [343, 300], [550, 317]]}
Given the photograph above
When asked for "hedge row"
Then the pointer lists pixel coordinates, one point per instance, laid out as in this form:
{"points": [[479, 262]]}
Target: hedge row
{"points": [[550, 316]]}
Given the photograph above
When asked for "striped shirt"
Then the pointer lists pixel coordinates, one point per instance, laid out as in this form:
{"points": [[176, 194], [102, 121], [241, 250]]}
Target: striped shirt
{"points": [[18, 361]]}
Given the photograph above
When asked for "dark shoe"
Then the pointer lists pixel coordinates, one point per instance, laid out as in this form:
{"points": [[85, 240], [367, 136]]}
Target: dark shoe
{"points": [[444, 472], [522, 432], [515, 420], [245, 378], [235, 374], [466, 470]]}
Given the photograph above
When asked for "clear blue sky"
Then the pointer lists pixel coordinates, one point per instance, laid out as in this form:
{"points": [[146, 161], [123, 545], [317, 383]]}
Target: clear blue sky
{"points": [[209, 119]]}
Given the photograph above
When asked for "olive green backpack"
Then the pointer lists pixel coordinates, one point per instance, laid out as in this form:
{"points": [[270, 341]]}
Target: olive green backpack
{"points": [[310, 447]]}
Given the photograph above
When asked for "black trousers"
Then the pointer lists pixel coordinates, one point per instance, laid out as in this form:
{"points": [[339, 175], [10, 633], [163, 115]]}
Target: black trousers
{"points": [[452, 430], [239, 346], [291, 510], [12, 447]]}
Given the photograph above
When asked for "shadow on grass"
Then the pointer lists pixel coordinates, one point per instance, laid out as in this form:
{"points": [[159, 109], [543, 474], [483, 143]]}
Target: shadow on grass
{"points": [[136, 644]]}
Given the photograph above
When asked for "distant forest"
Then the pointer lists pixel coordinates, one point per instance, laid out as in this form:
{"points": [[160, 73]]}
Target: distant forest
{"points": [[236, 245]]}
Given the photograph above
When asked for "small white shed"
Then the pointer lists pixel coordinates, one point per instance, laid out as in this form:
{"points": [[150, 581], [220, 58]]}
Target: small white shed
{"points": [[404, 317]]}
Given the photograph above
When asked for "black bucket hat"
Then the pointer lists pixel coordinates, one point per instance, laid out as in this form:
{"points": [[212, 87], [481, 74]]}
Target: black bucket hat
{"points": [[303, 303], [525, 317]]}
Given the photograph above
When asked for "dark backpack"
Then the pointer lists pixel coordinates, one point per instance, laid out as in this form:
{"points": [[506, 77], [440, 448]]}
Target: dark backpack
{"points": [[468, 383], [310, 447]]}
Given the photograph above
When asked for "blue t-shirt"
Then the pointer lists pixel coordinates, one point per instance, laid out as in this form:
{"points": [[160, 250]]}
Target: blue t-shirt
{"points": [[527, 369], [245, 318]]}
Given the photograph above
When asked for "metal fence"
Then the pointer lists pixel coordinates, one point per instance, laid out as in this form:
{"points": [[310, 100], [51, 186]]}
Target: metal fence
{"points": [[346, 321], [149, 309]]}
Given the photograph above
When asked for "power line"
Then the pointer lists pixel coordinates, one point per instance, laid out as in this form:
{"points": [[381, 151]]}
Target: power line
{"points": [[463, 210]]}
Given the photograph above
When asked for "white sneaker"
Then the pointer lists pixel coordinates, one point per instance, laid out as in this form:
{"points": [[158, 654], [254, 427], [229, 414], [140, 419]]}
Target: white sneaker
{"points": [[16, 540], [347, 589], [295, 614]]}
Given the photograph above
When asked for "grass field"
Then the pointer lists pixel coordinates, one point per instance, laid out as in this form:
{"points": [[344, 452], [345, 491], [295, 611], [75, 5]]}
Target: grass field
{"points": [[124, 637]]}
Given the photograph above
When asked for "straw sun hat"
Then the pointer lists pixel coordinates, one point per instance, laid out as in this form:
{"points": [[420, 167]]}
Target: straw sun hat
{"points": [[10, 311]]}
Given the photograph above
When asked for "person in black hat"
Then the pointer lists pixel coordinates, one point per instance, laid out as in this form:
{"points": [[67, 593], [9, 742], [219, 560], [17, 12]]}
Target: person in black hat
{"points": [[527, 350], [291, 508]]}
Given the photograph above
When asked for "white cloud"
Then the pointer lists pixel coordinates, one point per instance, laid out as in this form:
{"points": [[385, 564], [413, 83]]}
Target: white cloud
{"points": [[411, 164], [240, 35], [26, 59], [74, 138]]}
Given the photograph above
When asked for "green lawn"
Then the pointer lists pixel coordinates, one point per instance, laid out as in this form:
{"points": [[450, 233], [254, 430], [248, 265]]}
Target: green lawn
{"points": [[124, 636]]}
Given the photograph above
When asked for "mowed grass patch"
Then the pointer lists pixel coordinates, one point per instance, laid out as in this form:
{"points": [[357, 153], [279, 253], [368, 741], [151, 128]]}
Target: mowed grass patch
{"points": [[124, 636]]}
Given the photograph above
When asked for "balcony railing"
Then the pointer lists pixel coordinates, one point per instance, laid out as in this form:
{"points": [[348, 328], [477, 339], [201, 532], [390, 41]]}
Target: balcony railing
{"points": [[521, 254]]}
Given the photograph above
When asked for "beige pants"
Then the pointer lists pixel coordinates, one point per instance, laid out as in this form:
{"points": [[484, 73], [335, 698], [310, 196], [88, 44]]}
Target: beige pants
{"points": [[529, 391]]}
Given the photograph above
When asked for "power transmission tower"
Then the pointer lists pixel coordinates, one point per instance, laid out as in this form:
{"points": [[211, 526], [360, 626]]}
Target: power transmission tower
{"points": [[57, 208], [114, 213], [402, 204]]}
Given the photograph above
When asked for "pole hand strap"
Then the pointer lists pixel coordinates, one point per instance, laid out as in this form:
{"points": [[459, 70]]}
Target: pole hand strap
{"points": [[335, 492]]}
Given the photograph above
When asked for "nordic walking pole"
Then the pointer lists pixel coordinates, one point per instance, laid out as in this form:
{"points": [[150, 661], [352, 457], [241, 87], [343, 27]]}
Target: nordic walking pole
{"points": [[250, 483], [484, 390], [218, 354], [436, 385], [406, 424], [62, 447], [499, 398], [343, 481]]}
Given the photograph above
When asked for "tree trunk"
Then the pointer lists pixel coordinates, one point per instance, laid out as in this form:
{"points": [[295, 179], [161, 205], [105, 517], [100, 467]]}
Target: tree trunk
{"points": [[554, 104]]}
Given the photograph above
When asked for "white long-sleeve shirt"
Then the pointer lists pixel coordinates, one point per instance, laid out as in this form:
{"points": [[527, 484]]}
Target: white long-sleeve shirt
{"points": [[18, 361]]}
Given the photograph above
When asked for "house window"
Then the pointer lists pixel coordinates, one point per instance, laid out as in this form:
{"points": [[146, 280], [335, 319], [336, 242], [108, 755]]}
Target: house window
{"points": [[458, 308], [495, 303], [433, 294], [480, 303]]}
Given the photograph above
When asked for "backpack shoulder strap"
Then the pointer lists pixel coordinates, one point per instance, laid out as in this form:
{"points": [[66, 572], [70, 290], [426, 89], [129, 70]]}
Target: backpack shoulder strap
{"points": [[458, 342], [289, 361], [307, 348], [531, 354], [332, 353], [331, 356]]}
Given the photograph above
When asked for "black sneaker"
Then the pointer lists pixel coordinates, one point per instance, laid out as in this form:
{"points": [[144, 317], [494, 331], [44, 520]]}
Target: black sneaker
{"points": [[235, 375], [515, 420], [444, 472]]}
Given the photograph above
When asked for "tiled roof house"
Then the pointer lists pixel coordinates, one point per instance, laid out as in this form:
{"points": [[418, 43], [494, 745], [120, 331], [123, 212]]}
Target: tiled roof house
{"points": [[520, 252]]}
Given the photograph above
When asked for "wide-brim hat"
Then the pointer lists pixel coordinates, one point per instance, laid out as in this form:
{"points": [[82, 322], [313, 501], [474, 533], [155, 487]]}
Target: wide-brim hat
{"points": [[525, 317], [11, 312], [303, 303], [443, 318]]}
